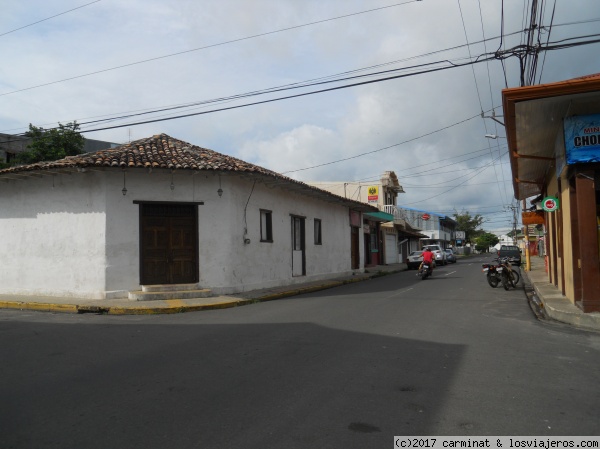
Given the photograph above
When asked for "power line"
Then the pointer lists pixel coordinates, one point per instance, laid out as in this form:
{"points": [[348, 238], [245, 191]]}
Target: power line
{"points": [[211, 46], [362, 83], [48, 18], [459, 185], [381, 149]]}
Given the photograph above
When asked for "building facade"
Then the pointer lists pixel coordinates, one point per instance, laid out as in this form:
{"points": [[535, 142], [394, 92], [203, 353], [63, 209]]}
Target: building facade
{"points": [[390, 238], [553, 133], [160, 211]]}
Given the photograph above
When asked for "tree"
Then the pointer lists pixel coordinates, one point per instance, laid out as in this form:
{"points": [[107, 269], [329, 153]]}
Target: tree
{"points": [[52, 144], [485, 241], [468, 224]]}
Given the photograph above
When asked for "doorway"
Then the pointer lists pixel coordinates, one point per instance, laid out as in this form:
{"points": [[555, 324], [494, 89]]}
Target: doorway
{"points": [[168, 243], [298, 247]]}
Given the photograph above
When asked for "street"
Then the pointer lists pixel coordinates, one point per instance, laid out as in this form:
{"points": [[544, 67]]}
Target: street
{"points": [[347, 367]]}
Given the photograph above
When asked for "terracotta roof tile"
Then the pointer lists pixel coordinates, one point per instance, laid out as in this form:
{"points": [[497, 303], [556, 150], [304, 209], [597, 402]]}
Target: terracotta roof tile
{"points": [[160, 151], [164, 152]]}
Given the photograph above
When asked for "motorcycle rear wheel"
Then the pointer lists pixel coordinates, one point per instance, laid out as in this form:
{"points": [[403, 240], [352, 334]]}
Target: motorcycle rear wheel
{"points": [[493, 280], [515, 278]]}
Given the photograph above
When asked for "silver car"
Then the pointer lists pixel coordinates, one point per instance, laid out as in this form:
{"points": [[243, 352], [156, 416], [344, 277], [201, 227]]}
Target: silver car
{"points": [[440, 254], [450, 256]]}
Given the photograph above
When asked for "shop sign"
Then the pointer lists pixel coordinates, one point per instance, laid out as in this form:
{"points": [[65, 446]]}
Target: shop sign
{"points": [[582, 139], [373, 194], [550, 204], [425, 217]]}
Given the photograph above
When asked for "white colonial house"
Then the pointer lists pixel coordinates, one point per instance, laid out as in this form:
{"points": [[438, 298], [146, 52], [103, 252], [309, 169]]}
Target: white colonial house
{"points": [[163, 212]]}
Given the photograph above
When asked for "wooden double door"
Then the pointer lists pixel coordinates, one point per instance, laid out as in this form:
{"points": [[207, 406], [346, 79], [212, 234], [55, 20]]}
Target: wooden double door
{"points": [[169, 244]]}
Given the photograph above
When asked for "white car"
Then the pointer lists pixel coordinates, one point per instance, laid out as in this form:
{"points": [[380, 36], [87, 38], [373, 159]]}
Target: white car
{"points": [[440, 254], [414, 260]]}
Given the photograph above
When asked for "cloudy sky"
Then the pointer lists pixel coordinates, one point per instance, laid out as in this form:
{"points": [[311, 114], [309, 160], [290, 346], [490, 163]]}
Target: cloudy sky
{"points": [[111, 64]]}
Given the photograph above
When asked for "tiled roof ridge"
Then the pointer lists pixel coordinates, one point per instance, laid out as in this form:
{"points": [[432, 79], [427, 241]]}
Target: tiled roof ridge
{"points": [[158, 151], [162, 151]]}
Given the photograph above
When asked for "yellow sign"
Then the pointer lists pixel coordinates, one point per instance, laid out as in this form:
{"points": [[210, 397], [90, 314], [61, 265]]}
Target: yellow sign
{"points": [[373, 194]]}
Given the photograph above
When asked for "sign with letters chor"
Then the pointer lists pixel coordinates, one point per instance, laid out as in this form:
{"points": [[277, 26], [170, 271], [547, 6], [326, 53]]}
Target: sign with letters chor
{"points": [[582, 139]]}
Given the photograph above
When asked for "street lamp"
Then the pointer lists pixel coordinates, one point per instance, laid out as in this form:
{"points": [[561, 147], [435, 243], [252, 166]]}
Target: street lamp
{"points": [[494, 136]]}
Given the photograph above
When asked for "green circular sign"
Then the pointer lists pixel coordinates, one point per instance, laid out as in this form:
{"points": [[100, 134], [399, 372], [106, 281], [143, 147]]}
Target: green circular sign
{"points": [[550, 204]]}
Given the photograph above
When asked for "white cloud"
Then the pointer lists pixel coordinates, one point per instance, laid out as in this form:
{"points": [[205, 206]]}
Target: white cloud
{"points": [[297, 133]]}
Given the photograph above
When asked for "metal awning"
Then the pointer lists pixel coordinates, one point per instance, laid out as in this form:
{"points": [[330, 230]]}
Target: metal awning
{"points": [[534, 126], [379, 216]]}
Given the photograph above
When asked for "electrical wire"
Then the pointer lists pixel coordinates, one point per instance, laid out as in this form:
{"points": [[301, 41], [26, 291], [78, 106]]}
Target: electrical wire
{"points": [[210, 46], [381, 149], [48, 18]]}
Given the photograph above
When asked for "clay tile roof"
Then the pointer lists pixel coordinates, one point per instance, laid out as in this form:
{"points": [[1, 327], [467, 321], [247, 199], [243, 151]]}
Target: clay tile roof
{"points": [[164, 152], [160, 151]]}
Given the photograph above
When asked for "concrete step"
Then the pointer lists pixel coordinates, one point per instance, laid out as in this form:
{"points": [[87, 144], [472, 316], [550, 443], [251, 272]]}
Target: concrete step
{"points": [[170, 287], [166, 295]]}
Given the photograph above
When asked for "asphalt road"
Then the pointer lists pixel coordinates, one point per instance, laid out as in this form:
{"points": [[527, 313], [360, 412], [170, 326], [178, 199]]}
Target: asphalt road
{"points": [[349, 367]]}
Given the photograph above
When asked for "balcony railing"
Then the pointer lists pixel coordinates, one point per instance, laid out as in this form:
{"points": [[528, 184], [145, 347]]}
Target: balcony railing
{"points": [[393, 210]]}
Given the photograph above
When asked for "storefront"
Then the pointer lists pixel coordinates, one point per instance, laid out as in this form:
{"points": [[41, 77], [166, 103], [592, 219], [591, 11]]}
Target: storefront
{"points": [[553, 133]]}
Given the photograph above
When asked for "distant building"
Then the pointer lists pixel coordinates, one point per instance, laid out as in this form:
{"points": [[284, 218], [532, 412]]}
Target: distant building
{"points": [[389, 238], [438, 229]]}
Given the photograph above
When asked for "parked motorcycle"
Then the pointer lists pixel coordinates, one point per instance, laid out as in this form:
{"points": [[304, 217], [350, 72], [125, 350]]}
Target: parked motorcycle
{"points": [[425, 271], [501, 273], [492, 274], [510, 277]]}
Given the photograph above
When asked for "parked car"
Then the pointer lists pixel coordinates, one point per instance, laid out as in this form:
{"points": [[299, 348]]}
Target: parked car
{"points": [[440, 254], [511, 251], [414, 260], [450, 257]]}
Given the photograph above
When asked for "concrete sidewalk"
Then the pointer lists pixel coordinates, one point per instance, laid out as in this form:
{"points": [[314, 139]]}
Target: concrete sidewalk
{"points": [[551, 300], [129, 307]]}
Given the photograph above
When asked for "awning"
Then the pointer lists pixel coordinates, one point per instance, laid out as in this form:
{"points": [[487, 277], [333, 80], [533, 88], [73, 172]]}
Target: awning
{"points": [[534, 123], [379, 216]]}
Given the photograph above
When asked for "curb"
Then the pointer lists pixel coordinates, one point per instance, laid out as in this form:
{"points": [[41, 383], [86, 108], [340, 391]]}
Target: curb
{"points": [[40, 306], [164, 310], [551, 305]]}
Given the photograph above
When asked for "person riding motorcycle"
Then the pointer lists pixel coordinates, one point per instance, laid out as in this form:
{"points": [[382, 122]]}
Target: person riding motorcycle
{"points": [[428, 257]]}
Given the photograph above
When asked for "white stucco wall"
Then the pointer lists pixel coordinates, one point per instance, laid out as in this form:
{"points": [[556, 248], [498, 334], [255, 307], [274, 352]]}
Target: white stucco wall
{"points": [[81, 238], [53, 231], [228, 265]]}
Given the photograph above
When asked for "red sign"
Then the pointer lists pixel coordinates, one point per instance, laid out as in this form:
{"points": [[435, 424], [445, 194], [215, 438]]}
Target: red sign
{"points": [[550, 204], [425, 217]]}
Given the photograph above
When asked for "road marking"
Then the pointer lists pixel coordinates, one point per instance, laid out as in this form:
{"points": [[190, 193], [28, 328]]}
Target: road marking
{"points": [[397, 293], [448, 274]]}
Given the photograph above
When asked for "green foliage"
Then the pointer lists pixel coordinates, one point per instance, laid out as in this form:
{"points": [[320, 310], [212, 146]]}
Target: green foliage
{"points": [[52, 144], [485, 241], [469, 224]]}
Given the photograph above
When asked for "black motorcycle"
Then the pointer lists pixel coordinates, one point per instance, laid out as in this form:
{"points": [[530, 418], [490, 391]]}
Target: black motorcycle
{"points": [[493, 276], [425, 271]]}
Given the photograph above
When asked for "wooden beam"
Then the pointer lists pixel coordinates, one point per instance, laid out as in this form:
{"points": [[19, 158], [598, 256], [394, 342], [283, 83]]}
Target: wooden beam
{"points": [[522, 181], [538, 158]]}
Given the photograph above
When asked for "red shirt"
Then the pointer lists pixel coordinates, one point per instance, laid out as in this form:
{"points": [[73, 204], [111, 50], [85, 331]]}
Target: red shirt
{"points": [[428, 257]]}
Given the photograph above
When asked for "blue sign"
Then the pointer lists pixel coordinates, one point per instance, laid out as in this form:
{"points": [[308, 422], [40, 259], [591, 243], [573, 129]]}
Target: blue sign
{"points": [[582, 139]]}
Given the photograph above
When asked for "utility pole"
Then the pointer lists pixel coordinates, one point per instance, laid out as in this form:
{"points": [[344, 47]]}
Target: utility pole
{"points": [[514, 211], [526, 232]]}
